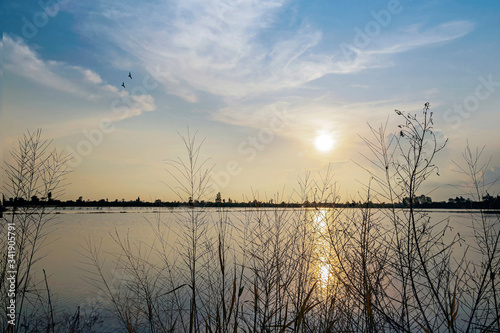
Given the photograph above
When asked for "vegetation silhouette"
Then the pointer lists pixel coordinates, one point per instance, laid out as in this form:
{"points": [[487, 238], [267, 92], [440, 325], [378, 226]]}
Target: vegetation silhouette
{"points": [[314, 265], [486, 202]]}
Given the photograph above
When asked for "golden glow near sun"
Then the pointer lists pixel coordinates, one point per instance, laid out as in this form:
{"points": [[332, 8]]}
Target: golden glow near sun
{"points": [[324, 142]]}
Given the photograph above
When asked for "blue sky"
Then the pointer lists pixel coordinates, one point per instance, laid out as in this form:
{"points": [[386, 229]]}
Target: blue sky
{"points": [[260, 80]]}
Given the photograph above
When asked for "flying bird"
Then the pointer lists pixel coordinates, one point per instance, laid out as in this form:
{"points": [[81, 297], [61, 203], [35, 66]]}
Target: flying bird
{"points": [[130, 75], [123, 84]]}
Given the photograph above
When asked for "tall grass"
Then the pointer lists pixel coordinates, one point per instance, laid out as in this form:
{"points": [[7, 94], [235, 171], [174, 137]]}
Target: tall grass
{"points": [[35, 172], [424, 285], [315, 269]]}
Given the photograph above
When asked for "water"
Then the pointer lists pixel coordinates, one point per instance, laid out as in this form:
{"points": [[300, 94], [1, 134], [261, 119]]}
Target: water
{"points": [[74, 231]]}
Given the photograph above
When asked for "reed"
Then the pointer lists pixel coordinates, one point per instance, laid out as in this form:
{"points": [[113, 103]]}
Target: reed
{"points": [[34, 171], [314, 268]]}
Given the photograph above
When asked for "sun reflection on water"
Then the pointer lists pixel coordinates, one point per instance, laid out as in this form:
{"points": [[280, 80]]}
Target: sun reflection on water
{"points": [[322, 268]]}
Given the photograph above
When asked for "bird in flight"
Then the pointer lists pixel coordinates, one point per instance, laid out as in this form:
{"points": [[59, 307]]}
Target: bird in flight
{"points": [[123, 84], [129, 75]]}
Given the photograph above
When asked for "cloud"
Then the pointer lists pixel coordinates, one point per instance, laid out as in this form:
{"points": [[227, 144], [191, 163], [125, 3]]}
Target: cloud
{"points": [[231, 49], [92, 98], [414, 36], [244, 53], [91, 76], [1, 60], [376, 56], [366, 52], [224, 48], [492, 179], [21, 60]]}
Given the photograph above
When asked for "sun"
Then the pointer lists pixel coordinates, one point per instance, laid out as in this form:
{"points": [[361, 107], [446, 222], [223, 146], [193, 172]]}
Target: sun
{"points": [[324, 142]]}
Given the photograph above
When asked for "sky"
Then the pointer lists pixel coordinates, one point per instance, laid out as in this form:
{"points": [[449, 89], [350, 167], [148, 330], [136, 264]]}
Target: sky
{"points": [[257, 81]]}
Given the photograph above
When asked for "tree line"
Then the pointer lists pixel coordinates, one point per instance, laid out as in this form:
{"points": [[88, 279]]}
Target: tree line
{"points": [[488, 202]]}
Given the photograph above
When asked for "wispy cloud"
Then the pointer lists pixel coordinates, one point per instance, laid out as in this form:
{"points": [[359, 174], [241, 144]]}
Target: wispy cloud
{"points": [[225, 48], [82, 83], [216, 47], [376, 51], [91, 76], [233, 50], [95, 98], [415, 36], [1, 60], [21, 60]]}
